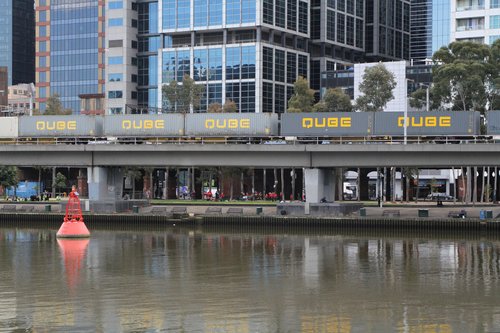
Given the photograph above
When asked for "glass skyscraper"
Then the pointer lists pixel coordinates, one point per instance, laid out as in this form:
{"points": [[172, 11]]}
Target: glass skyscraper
{"points": [[17, 40], [69, 50], [246, 51], [430, 27]]}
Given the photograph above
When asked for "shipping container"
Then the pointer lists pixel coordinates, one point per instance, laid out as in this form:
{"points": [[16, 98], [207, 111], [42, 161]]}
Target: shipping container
{"points": [[9, 127], [327, 124], [232, 124], [58, 126], [493, 123], [422, 123], [144, 125]]}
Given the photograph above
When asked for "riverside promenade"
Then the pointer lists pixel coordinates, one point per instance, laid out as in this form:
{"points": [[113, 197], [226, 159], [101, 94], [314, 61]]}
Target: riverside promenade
{"points": [[392, 210]]}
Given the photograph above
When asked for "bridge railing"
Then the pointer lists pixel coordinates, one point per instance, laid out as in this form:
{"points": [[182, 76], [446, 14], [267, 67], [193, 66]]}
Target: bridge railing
{"points": [[248, 140]]}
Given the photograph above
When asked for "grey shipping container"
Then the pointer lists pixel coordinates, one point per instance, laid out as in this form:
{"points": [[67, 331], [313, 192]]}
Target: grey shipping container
{"points": [[327, 124], [9, 127], [232, 124], [421, 123], [58, 126], [144, 125], [493, 123]]}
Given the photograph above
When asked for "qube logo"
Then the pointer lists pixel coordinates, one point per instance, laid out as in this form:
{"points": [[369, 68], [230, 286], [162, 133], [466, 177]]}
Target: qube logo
{"points": [[60, 125], [143, 124], [330, 122], [425, 121], [230, 123]]}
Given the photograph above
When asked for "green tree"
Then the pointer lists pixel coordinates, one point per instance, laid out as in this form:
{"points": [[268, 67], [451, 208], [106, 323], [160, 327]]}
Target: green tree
{"points": [[230, 106], [183, 96], [335, 100], [465, 76], [214, 108], [376, 87], [8, 176], [60, 181], [303, 96], [55, 107], [418, 99]]}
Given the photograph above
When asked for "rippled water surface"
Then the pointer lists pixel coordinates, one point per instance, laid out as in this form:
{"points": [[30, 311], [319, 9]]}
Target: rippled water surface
{"points": [[181, 280]]}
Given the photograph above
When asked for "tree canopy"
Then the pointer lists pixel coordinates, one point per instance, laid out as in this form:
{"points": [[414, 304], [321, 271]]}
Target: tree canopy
{"points": [[55, 107], [335, 100], [183, 96], [302, 98], [8, 176], [466, 75], [376, 87]]}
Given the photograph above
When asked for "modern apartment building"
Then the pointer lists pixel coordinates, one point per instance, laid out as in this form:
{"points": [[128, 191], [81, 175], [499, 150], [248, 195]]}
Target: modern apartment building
{"points": [[69, 50], [475, 20], [17, 40]]}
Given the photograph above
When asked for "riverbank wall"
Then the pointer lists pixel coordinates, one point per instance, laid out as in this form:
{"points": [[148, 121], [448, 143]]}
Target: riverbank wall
{"points": [[277, 222]]}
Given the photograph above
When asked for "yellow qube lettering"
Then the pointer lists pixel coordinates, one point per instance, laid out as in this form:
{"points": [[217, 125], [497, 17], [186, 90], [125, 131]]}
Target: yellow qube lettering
{"points": [[59, 125], [318, 123], [245, 123], [307, 122], [430, 122], [148, 124], [126, 124], [333, 122], [160, 124], [345, 122], [232, 123], [209, 123], [445, 121]]}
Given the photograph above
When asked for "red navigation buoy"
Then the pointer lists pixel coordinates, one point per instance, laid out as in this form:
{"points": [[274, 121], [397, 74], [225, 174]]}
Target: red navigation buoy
{"points": [[73, 225]]}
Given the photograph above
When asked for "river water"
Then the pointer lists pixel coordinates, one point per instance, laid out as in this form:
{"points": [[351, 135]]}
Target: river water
{"points": [[195, 280]]}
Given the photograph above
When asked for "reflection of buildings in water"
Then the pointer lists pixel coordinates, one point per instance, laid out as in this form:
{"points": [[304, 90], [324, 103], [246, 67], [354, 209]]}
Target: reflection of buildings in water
{"points": [[323, 323]]}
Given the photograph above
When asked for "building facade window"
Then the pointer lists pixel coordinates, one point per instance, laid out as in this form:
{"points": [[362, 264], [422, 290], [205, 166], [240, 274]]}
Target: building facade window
{"points": [[115, 60], [115, 22], [115, 77], [115, 5], [114, 94]]}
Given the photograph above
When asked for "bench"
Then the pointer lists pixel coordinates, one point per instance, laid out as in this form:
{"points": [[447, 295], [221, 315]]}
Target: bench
{"points": [[9, 208], [392, 213], [158, 210], [213, 210], [235, 211], [25, 208], [457, 214]]}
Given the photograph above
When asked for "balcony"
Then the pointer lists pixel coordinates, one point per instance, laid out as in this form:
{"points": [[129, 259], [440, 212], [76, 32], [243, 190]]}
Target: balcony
{"points": [[470, 27], [468, 8]]}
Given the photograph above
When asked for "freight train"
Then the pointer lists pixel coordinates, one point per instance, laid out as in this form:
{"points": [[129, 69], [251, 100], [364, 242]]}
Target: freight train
{"points": [[120, 128]]}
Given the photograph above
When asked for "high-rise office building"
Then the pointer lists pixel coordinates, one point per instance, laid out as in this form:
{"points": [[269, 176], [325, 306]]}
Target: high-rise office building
{"points": [[17, 40], [430, 27], [387, 30], [246, 51], [69, 50]]}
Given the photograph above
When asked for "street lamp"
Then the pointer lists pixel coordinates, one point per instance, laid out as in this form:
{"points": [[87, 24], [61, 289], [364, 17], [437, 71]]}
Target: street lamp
{"points": [[427, 87], [405, 123]]}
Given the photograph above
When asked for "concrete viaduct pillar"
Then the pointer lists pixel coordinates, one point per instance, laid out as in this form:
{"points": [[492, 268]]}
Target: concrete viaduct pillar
{"points": [[320, 183], [105, 186]]}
